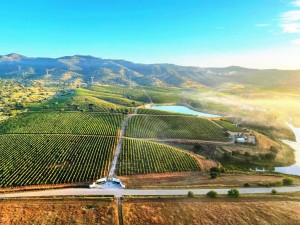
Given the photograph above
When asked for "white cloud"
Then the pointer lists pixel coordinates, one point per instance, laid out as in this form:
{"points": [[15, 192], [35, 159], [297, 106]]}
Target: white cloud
{"points": [[296, 3], [291, 16], [262, 25], [290, 27], [296, 42]]}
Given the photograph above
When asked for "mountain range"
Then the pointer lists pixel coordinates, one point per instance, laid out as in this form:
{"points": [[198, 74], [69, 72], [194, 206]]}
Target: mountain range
{"points": [[110, 71]]}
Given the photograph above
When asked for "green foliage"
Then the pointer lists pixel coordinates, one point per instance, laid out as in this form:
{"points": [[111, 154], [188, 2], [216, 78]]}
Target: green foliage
{"points": [[183, 127], [212, 194], [274, 192], [67, 123], [246, 185], [53, 159], [233, 193], [287, 181], [142, 157], [213, 175], [229, 126], [191, 194]]}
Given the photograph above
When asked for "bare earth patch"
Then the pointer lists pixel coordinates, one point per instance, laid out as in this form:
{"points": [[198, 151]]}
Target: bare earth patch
{"points": [[211, 212]]}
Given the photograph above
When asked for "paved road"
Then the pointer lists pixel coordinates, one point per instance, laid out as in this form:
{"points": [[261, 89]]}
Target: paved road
{"points": [[122, 192]]}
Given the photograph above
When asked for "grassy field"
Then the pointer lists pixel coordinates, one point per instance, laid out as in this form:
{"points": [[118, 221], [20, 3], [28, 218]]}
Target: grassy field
{"points": [[142, 157], [53, 159], [66, 122], [79, 211], [176, 127], [248, 210], [198, 179]]}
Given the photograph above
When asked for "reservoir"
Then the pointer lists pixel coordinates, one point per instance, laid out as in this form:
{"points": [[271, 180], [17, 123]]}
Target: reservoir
{"points": [[294, 169], [183, 110]]}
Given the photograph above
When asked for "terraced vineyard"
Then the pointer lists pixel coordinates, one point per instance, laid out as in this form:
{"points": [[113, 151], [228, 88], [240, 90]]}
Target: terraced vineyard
{"points": [[67, 122], [178, 127], [142, 157], [229, 126], [53, 159]]}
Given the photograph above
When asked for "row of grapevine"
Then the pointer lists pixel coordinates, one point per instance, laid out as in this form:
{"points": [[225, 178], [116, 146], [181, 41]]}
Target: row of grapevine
{"points": [[66, 122], [53, 159], [156, 112], [175, 127], [229, 126], [143, 157]]}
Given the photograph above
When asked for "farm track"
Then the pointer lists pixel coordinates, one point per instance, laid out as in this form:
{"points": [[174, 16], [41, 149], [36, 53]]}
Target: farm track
{"points": [[119, 145]]}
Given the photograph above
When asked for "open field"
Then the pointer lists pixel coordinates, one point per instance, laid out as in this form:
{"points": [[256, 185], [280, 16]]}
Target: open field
{"points": [[247, 210], [59, 211], [181, 127], [67, 122], [142, 157], [201, 180], [53, 159]]}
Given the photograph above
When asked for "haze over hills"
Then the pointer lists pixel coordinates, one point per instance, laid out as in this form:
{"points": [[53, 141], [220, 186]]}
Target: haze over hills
{"points": [[110, 71]]}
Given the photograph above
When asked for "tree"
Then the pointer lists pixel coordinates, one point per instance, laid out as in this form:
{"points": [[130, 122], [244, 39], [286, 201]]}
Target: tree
{"points": [[212, 194], [191, 194], [213, 175], [287, 181], [234, 193], [274, 192]]}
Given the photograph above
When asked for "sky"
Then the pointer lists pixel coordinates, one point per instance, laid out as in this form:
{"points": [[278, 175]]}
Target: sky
{"points": [[218, 33]]}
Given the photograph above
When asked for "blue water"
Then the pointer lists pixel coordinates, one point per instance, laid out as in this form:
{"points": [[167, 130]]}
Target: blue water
{"points": [[183, 110], [294, 169]]}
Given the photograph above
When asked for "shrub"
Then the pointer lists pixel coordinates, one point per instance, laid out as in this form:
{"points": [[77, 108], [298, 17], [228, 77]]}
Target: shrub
{"points": [[287, 181], [191, 194], [246, 185], [215, 169], [234, 193], [213, 175], [274, 192], [212, 194]]}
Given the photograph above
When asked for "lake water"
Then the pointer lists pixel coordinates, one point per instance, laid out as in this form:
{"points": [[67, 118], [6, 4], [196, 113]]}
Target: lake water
{"points": [[294, 169], [183, 110]]}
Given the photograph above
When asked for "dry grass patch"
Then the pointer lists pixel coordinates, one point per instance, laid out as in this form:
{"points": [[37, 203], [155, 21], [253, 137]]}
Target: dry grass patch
{"points": [[50, 211], [220, 211]]}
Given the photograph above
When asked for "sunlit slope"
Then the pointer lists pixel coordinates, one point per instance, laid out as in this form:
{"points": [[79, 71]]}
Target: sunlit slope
{"points": [[143, 157], [53, 159], [64, 123], [177, 127]]}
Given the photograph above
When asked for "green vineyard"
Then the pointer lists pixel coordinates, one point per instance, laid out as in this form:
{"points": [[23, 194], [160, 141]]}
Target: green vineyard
{"points": [[229, 126], [155, 112], [53, 159], [143, 157], [175, 127], [64, 123]]}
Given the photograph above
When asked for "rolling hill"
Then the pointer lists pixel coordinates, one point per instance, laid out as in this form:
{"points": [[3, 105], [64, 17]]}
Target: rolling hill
{"points": [[109, 71]]}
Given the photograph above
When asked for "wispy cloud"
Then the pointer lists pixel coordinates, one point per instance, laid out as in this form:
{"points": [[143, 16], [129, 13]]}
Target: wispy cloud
{"points": [[290, 20], [296, 42], [291, 16], [290, 27], [262, 25], [296, 3]]}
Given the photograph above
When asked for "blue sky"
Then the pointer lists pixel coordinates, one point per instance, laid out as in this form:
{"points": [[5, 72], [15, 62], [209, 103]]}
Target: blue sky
{"points": [[252, 33]]}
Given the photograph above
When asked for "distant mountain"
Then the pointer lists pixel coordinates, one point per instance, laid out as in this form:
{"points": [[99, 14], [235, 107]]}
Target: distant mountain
{"points": [[109, 71]]}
